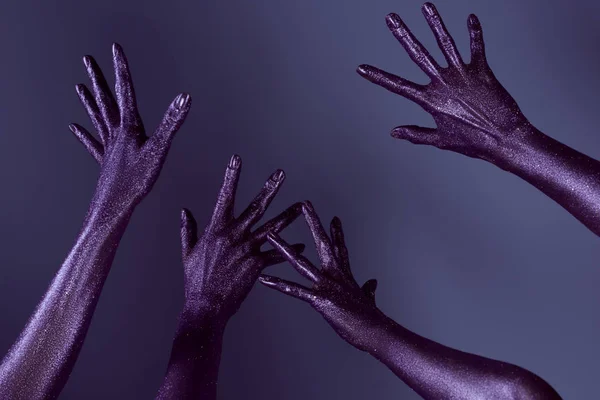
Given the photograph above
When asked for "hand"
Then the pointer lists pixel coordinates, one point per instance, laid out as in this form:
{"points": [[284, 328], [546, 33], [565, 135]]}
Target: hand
{"points": [[223, 265], [349, 308], [130, 161], [474, 114]]}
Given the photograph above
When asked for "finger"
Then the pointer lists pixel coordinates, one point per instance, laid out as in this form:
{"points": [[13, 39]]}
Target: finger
{"points": [[393, 83], [322, 242], [369, 288], [124, 87], [170, 124], [444, 40], [339, 244], [277, 224], [102, 93], [299, 262], [223, 211], [477, 45], [274, 257], [417, 135], [413, 47], [93, 146], [287, 287], [93, 111], [254, 212], [188, 233]]}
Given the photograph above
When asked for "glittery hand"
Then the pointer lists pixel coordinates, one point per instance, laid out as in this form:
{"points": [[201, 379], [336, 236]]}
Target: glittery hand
{"points": [[434, 371], [222, 266], [349, 308], [130, 161], [220, 269], [477, 117], [39, 363], [471, 109]]}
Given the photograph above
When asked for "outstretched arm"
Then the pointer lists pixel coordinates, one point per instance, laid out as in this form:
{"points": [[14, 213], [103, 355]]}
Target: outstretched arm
{"points": [[220, 269], [41, 360], [477, 117], [431, 369]]}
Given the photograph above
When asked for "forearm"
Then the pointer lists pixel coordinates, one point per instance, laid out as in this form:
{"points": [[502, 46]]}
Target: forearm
{"points": [[41, 360], [195, 357], [567, 176], [435, 371]]}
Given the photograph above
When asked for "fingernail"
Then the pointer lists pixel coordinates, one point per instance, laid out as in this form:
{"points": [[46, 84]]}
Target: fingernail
{"points": [[183, 214], [308, 205], [115, 49], [393, 21], [86, 61], [278, 176], [72, 128], [337, 221], [473, 21], [265, 279], [235, 161], [182, 100], [429, 9], [362, 69]]}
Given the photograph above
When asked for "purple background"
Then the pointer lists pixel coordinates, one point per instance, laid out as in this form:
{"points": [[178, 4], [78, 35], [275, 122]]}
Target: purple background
{"points": [[465, 253]]}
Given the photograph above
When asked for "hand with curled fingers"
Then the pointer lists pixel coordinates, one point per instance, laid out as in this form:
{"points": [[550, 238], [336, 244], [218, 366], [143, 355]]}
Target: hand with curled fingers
{"points": [[220, 268], [476, 116], [349, 308], [431, 369]]}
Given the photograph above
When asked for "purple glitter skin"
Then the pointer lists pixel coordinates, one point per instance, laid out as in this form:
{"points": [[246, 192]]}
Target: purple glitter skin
{"points": [[220, 269], [432, 370], [477, 117], [40, 362]]}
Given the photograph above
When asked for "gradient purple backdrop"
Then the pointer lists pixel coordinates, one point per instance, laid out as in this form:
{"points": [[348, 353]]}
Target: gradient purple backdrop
{"points": [[466, 254]]}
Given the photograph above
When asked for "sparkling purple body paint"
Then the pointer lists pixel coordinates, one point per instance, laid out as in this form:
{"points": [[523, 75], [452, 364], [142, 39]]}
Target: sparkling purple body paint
{"points": [[39, 363], [432, 370], [220, 268], [477, 117]]}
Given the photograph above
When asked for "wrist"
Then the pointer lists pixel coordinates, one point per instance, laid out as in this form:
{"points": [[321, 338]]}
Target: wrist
{"points": [[195, 318], [518, 147]]}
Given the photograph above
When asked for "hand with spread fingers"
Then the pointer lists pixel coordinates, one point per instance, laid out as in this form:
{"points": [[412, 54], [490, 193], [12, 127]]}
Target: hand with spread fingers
{"points": [[477, 117], [41, 360], [431, 369], [130, 161], [220, 269]]}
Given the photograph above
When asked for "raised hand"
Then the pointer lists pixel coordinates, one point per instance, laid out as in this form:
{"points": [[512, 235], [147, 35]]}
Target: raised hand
{"points": [[434, 371], [41, 360], [220, 269], [477, 117], [130, 161], [349, 308]]}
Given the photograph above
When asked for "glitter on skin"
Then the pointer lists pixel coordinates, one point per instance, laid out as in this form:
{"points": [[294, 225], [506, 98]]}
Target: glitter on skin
{"points": [[40, 362], [220, 269], [431, 369], [477, 117]]}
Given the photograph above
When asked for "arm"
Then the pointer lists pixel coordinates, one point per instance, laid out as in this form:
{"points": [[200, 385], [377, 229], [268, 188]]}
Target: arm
{"points": [[220, 269], [432, 370], [40, 362], [477, 117]]}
